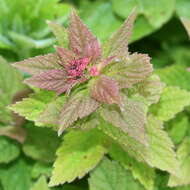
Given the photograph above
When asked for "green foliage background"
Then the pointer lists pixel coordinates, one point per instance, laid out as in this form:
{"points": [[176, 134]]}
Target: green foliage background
{"points": [[159, 32]]}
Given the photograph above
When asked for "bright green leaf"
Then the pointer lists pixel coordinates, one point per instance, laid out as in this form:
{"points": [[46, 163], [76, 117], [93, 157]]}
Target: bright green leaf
{"points": [[41, 184], [140, 170], [32, 107], [79, 153], [179, 77], [173, 100], [161, 149], [183, 153]]}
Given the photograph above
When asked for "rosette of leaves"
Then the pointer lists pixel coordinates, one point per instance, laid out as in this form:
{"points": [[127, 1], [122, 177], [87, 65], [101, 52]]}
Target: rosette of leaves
{"points": [[91, 79], [23, 33], [104, 93]]}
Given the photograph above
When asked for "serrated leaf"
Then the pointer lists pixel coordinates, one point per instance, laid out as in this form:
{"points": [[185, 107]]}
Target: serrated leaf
{"points": [[41, 184], [160, 152], [184, 160], [129, 144], [19, 173], [60, 33], [39, 64], [106, 90], [131, 119], [78, 106], [173, 100], [9, 150], [32, 107], [66, 55], [118, 43], [38, 149], [55, 80], [119, 178], [79, 153], [50, 115], [129, 71], [81, 40], [180, 76], [41, 168], [140, 170]]}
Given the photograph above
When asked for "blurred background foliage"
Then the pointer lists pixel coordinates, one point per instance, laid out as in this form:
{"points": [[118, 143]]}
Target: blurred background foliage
{"points": [[24, 33]]}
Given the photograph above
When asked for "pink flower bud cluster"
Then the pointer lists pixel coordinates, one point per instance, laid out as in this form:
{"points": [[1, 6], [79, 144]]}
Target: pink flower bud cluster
{"points": [[76, 68]]}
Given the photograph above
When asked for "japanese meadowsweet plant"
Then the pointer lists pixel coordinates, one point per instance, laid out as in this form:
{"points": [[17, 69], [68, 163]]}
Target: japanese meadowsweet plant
{"points": [[103, 100]]}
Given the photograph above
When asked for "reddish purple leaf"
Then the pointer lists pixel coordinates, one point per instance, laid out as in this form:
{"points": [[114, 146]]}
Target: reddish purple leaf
{"points": [[39, 64], [78, 106], [65, 55], [82, 41], [106, 90], [55, 80]]}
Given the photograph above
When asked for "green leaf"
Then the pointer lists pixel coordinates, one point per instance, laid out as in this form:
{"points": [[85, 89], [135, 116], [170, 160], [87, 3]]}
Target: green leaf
{"points": [[79, 153], [131, 119], [38, 148], [41, 184], [110, 175], [151, 15], [179, 77], [133, 147], [32, 107], [140, 170], [177, 127], [9, 150], [9, 75], [41, 168], [50, 115], [91, 13], [160, 152], [183, 153], [173, 100], [16, 175]]}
